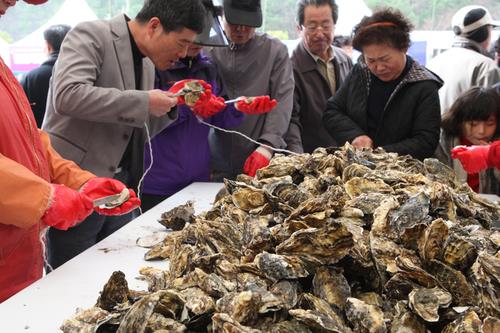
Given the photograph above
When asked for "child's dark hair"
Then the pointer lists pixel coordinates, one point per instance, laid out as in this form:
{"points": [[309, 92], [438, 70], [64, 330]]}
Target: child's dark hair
{"points": [[476, 104]]}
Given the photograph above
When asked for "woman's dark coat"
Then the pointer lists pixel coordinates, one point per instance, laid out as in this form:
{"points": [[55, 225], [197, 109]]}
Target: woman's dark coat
{"points": [[411, 119]]}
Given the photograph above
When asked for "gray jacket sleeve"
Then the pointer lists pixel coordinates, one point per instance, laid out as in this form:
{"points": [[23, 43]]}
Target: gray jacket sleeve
{"points": [[294, 134], [281, 88], [77, 90]]}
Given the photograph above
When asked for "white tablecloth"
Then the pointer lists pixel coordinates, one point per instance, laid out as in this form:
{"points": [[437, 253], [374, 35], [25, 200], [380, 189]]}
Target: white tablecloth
{"points": [[43, 306]]}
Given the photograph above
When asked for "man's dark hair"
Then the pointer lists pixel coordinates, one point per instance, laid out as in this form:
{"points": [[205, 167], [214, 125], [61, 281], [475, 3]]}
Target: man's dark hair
{"points": [[476, 104], [341, 40], [174, 15], [54, 35], [386, 26], [302, 4], [480, 34]]}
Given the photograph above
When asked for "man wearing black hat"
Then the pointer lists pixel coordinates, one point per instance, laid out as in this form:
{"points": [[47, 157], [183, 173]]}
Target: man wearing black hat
{"points": [[466, 64], [255, 64]]}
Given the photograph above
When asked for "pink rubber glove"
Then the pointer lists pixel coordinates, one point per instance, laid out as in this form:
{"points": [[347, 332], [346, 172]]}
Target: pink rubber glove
{"points": [[256, 105], [98, 187], [256, 161], [66, 208], [473, 158]]}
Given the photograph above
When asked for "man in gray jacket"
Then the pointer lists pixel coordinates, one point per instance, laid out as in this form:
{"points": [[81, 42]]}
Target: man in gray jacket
{"points": [[255, 64], [319, 68], [101, 101], [466, 64]]}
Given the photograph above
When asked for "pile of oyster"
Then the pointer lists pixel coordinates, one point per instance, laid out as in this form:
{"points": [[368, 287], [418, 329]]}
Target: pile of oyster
{"points": [[340, 240]]}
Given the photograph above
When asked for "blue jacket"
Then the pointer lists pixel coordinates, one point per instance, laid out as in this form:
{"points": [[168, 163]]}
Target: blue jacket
{"points": [[181, 154]]}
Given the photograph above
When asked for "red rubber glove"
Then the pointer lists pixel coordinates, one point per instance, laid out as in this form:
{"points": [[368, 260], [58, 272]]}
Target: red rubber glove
{"points": [[207, 108], [179, 85], [256, 161], [35, 2], [98, 187], [207, 104], [67, 207], [473, 158], [256, 105]]}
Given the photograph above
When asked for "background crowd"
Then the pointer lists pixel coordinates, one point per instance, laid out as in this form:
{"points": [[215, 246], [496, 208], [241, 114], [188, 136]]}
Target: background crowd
{"points": [[117, 106]]}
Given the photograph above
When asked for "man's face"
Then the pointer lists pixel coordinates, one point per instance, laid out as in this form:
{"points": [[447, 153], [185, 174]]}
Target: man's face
{"points": [[318, 29], [238, 34], [164, 49], [6, 4]]}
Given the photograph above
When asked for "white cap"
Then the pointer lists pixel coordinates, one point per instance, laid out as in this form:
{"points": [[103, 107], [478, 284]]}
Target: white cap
{"points": [[470, 18]]}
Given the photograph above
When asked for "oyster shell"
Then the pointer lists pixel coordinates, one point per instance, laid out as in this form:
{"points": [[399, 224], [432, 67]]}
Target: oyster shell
{"points": [[315, 239], [365, 318], [426, 302], [277, 267], [115, 292], [177, 217], [87, 321], [468, 323], [330, 285]]}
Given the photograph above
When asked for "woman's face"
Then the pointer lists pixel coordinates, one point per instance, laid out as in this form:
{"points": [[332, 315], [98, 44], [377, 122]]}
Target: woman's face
{"points": [[384, 61], [480, 132]]}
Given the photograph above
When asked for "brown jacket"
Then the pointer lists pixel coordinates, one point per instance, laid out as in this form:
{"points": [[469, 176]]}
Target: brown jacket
{"points": [[310, 95]]}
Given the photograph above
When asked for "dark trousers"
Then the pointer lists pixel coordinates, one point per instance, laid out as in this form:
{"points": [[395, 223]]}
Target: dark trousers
{"points": [[64, 245], [148, 201]]}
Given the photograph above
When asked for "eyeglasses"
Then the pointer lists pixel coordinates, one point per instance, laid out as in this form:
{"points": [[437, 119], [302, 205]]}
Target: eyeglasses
{"points": [[311, 28]]}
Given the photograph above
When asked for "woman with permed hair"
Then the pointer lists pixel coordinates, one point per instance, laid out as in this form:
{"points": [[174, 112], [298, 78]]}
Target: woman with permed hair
{"points": [[388, 100], [468, 130]]}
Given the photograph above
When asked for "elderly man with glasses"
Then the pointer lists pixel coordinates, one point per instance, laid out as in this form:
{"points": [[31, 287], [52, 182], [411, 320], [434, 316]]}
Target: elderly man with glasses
{"points": [[319, 69]]}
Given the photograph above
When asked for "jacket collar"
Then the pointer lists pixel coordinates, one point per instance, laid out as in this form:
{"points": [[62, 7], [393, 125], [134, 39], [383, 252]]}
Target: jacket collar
{"points": [[200, 61], [304, 60], [249, 44], [469, 44], [51, 59], [123, 49], [417, 72]]}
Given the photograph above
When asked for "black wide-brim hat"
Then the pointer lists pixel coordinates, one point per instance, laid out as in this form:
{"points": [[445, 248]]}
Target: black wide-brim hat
{"points": [[243, 12]]}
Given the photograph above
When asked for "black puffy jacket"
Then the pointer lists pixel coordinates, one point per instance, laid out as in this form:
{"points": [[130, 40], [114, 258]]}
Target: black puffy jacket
{"points": [[411, 120]]}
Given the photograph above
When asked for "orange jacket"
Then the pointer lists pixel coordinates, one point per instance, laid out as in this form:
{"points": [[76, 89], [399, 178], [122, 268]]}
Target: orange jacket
{"points": [[28, 164]]}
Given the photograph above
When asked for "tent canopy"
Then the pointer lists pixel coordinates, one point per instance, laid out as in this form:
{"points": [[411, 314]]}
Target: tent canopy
{"points": [[29, 52], [70, 13], [350, 13]]}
